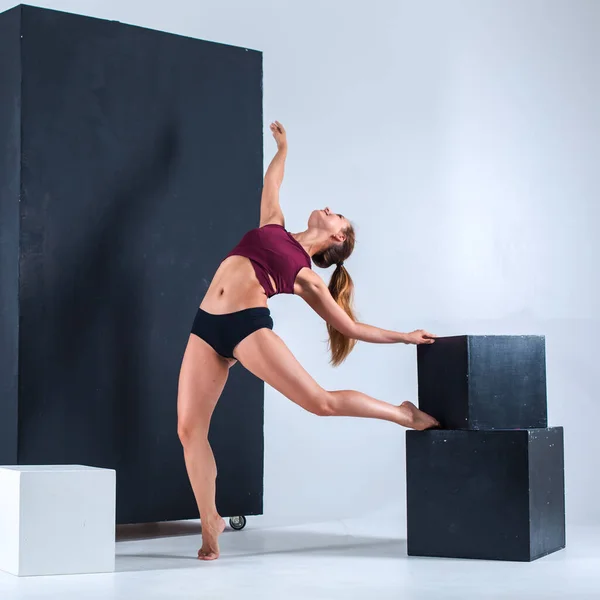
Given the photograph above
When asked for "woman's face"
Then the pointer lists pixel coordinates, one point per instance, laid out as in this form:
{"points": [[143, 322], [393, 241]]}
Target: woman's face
{"points": [[326, 220]]}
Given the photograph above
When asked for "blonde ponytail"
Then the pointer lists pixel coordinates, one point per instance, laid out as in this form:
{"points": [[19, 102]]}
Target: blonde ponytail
{"points": [[341, 288]]}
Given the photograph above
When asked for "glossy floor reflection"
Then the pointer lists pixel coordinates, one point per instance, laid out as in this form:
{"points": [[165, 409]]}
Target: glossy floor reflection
{"points": [[341, 559]]}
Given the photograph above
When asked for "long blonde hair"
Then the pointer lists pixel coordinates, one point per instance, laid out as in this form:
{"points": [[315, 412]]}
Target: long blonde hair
{"points": [[341, 288]]}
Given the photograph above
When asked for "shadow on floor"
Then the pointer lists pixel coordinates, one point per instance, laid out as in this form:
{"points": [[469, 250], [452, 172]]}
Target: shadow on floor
{"points": [[148, 531], [256, 544]]}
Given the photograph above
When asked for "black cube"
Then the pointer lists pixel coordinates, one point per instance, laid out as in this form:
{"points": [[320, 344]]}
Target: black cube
{"points": [[496, 495], [484, 381]]}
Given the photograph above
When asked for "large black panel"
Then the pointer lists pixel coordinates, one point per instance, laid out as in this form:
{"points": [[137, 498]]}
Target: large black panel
{"points": [[485, 494], [10, 182], [484, 382], [142, 167]]}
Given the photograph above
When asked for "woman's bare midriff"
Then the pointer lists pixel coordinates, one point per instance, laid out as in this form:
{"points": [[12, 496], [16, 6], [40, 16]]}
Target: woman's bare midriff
{"points": [[234, 287]]}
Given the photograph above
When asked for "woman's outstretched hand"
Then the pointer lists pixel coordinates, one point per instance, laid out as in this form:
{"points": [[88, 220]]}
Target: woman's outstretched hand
{"points": [[420, 336], [279, 134]]}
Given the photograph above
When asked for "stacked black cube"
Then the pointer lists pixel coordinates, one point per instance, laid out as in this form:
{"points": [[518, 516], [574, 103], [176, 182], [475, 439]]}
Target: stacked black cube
{"points": [[490, 483]]}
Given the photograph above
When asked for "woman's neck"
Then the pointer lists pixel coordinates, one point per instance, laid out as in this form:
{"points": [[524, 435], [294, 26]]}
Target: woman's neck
{"points": [[312, 240]]}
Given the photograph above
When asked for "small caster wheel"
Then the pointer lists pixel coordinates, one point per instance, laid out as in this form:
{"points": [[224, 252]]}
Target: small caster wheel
{"points": [[237, 523]]}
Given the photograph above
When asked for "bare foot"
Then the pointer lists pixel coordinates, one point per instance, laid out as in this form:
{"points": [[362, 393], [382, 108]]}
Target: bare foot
{"points": [[417, 418], [211, 530]]}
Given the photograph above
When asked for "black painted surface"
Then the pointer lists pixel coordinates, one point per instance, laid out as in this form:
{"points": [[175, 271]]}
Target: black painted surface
{"points": [[485, 494], [142, 167], [10, 182], [484, 382], [547, 484]]}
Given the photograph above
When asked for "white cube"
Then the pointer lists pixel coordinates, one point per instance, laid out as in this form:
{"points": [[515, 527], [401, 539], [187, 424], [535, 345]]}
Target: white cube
{"points": [[57, 519]]}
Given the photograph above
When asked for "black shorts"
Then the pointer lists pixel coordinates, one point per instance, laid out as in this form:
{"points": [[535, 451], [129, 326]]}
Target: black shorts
{"points": [[225, 332]]}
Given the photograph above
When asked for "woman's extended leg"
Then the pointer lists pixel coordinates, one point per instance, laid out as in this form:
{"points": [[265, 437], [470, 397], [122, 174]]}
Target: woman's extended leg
{"points": [[265, 355], [201, 380]]}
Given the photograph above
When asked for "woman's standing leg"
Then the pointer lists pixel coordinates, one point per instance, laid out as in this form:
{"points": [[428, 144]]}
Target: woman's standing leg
{"points": [[201, 381]]}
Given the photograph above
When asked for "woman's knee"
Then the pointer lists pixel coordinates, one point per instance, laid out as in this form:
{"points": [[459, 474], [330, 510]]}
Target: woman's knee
{"points": [[189, 430], [323, 404], [184, 432]]}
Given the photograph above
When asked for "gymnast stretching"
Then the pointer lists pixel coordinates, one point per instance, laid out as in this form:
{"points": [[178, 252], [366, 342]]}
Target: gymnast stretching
{"points": [[233, 324]]}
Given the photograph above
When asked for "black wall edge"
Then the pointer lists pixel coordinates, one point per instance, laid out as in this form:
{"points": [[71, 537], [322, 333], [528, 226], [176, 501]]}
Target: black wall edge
{"points": [[10, 190]]}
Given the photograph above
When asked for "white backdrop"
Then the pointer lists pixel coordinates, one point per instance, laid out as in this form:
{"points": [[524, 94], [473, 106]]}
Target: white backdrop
{"points": [[463, 140]]}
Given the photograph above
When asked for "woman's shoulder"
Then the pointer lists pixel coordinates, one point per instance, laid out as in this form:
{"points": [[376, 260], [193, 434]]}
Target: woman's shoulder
{"points": [[306, 276]]}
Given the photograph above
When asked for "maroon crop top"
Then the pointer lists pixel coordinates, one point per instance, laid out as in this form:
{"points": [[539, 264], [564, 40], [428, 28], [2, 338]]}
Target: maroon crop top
{"points": [[273, 251]]}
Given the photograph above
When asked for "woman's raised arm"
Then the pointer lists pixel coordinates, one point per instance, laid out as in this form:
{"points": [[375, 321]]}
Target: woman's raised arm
{"points": [[270, 210]]}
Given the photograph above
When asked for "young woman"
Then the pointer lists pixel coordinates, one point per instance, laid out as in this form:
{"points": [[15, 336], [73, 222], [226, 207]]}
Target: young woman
{"points": [[233, 324]]}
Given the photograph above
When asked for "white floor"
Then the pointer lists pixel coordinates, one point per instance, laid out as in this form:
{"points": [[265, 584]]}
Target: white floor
{"points": [[342, 559]]}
